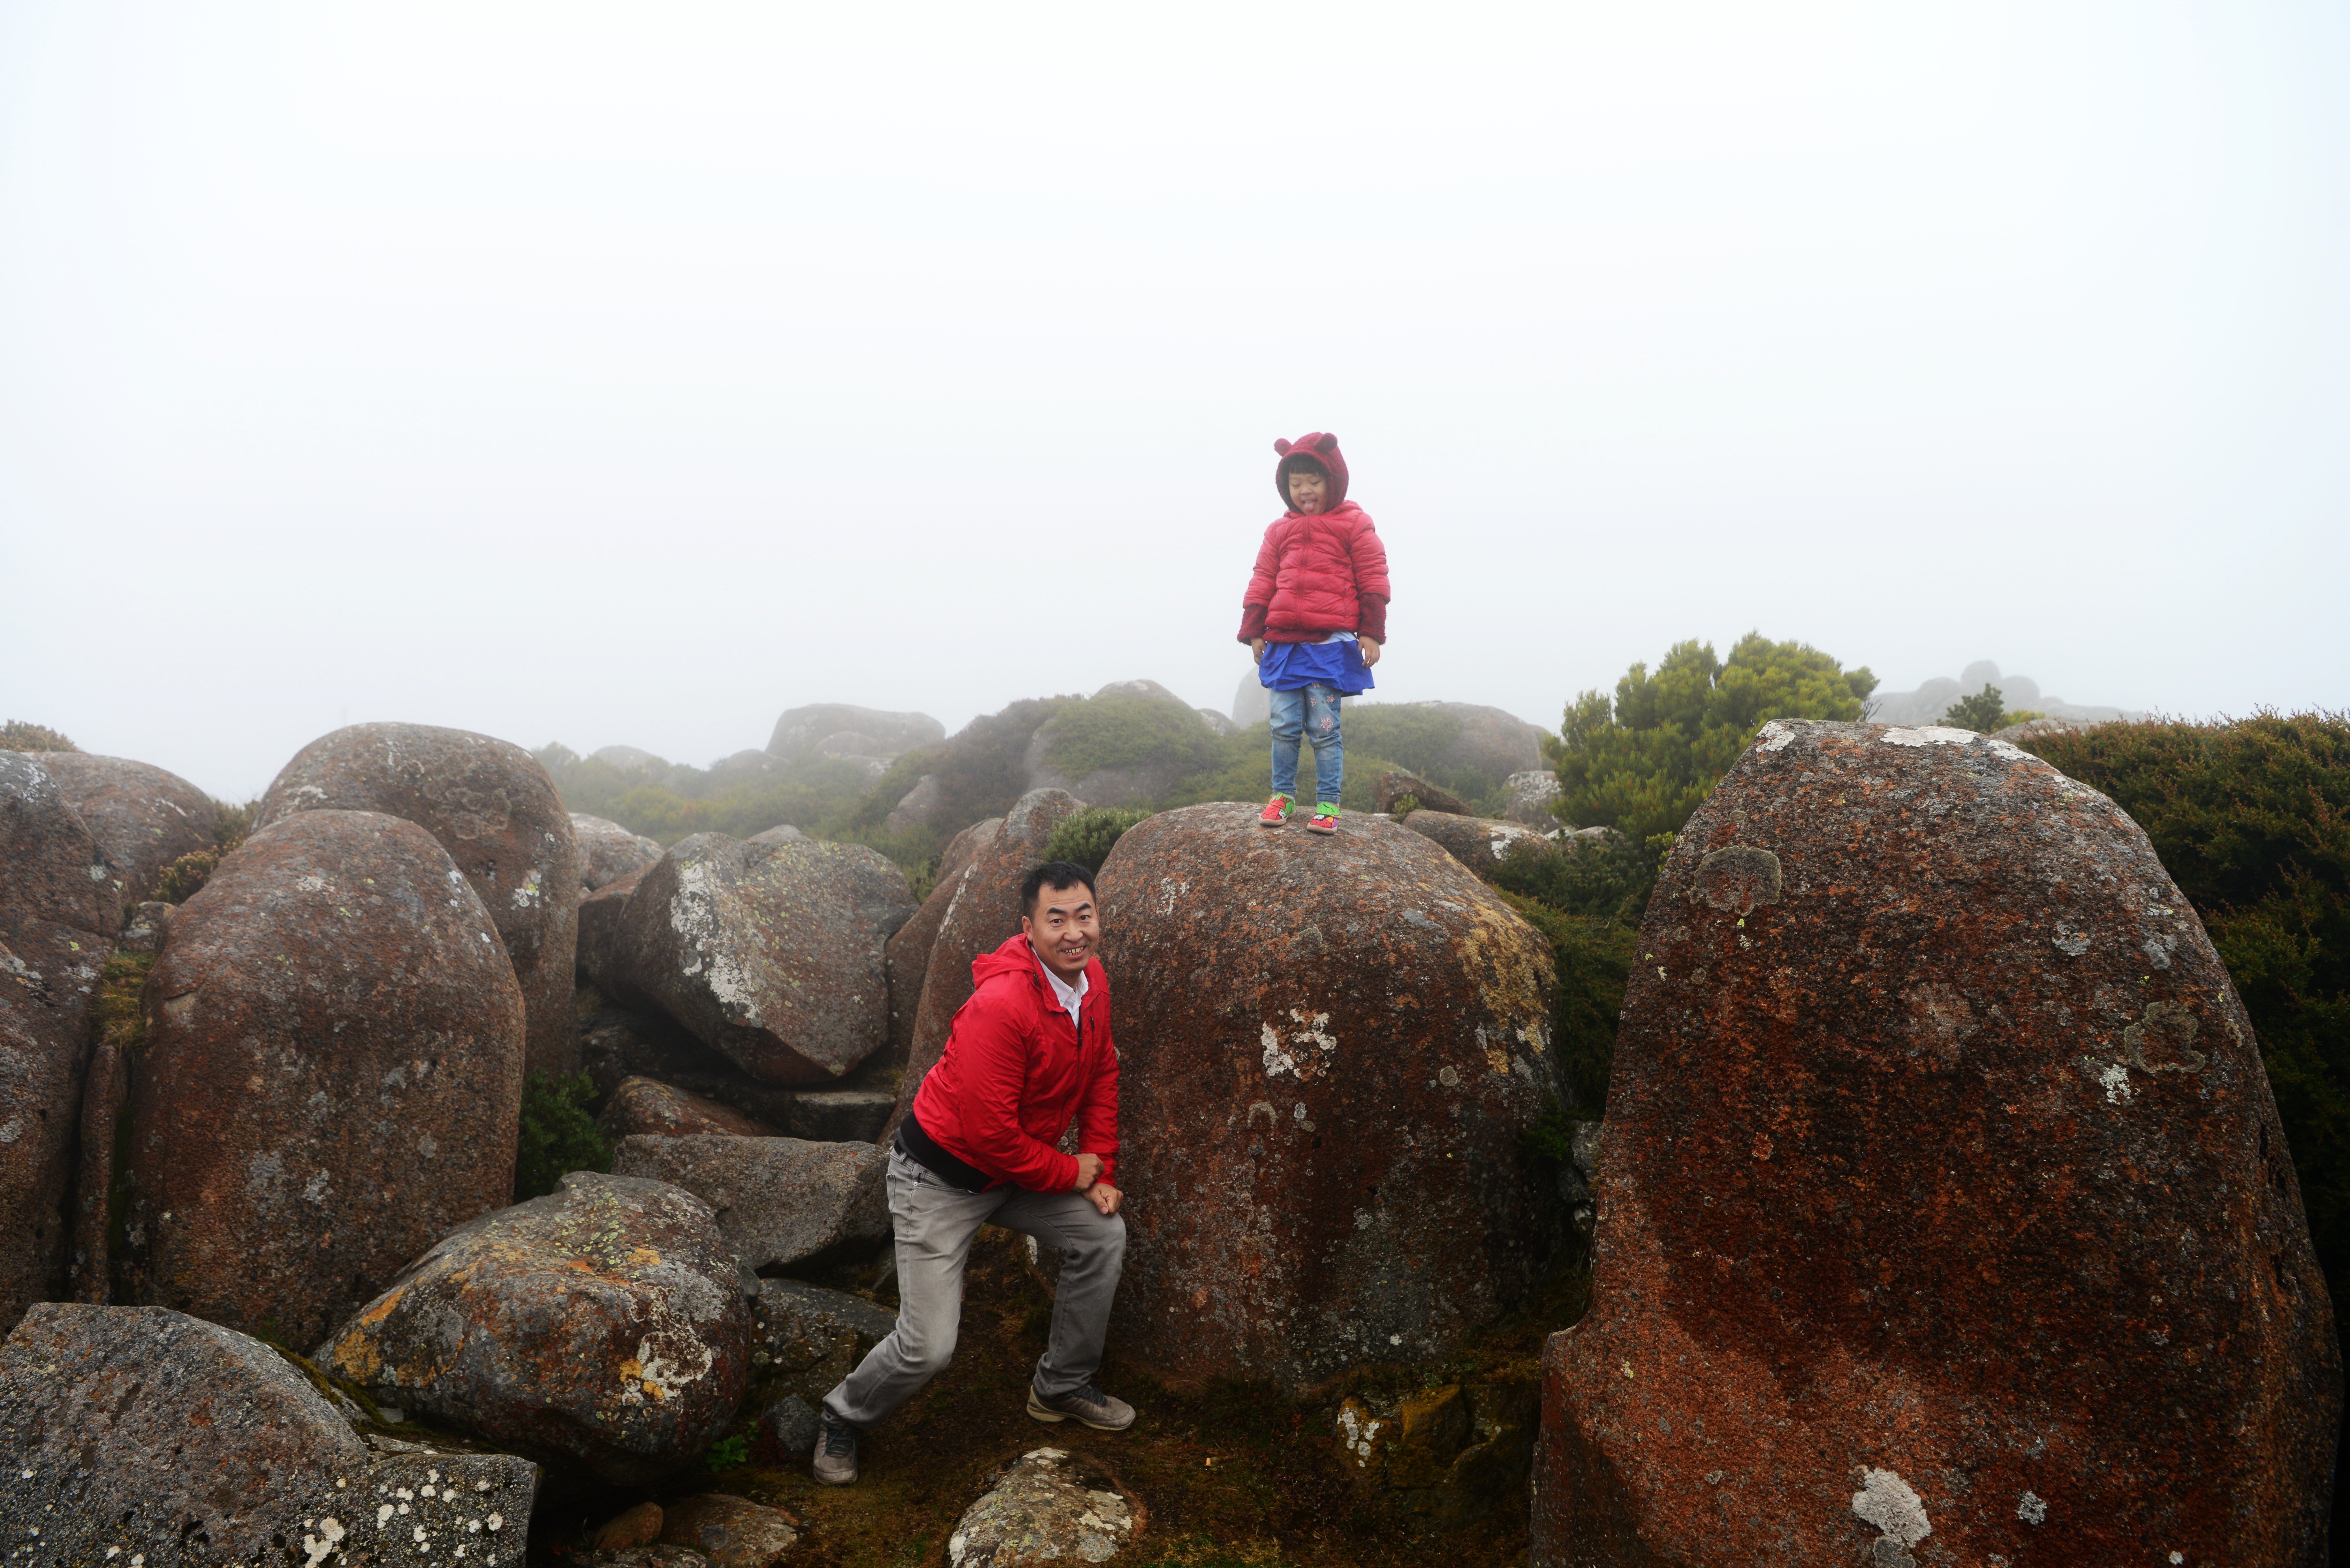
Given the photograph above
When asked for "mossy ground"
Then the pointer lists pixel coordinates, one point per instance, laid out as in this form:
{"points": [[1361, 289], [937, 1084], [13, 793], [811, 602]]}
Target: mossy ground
{"points": [[1231, 1476]]}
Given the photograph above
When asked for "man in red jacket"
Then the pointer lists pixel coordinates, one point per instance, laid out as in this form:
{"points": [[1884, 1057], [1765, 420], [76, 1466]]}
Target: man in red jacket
{"points": [[1031, 1048]]}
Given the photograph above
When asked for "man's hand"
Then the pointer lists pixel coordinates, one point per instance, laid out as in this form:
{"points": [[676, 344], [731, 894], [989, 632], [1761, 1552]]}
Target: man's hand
{"points": [[1370, 651], [1088, 1172], [1106, 1197], [1256, 649]]}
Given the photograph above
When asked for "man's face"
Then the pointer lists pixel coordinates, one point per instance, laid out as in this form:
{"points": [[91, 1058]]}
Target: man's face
{"points": [[1064, 930], [1307, 489]]}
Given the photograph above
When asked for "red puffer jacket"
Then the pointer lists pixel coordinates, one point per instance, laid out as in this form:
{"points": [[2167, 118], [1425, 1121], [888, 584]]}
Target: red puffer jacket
{"points": [[1015, 1068], [1320, 572]]}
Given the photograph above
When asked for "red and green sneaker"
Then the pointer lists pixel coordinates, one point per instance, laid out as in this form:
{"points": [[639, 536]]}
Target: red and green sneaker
{"points": [[1276, 811], [1325, 819]]}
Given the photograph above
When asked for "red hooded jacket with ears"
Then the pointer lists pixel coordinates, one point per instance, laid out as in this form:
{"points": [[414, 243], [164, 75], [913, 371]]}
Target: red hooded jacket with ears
{"points": [[1319, 572]]}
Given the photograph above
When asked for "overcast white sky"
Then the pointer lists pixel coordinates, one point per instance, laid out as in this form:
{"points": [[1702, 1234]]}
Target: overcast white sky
{"points": [[633, 373]]}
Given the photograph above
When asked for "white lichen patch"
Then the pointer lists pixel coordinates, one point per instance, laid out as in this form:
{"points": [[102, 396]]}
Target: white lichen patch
{"points": [[2113, 1078], [2032, 1509], [1295, 1052], [527, 896], [1927, 735], [1886, 1501], [694, 914], [1774, 736]]}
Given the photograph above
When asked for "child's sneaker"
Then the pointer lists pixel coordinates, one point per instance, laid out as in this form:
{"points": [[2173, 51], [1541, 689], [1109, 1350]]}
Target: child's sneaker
{"points": [[1276, 811], [1325, 819]]}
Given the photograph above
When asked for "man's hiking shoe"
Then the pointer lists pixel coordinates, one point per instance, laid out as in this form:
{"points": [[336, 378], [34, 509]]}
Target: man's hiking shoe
{"points": [[1325, 819], [836, 1451], [1276, 811], [1089, 1405]]}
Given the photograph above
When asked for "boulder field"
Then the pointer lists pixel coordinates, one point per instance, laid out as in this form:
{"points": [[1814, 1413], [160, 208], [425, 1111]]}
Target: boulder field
{"points": [[1944, 1213]]}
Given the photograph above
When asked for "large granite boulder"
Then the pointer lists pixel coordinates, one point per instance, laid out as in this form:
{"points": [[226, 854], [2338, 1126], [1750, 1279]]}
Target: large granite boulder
{"points": [[492, 807], [770, 952], [1393, 786], [804, 1339], [143, 816], [1945, 1215], [1483, 844], [1527, 798], [1490, 742], [1047, 1506], [779, 1201], [59, 911], [602, 1325], [1329, 1054], [619, 1043], [981, 908], [908, 956], [141, 1435], [649, 1105], [608, 851], [601, 914], [805, 732], [331, 1077]]}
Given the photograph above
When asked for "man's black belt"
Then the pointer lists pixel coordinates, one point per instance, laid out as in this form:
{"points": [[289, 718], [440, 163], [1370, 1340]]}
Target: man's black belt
{"points": [[925, 1151]]}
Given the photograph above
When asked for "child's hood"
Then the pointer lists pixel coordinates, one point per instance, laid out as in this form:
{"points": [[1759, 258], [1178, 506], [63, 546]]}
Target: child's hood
{"points": [[1323, 448]]}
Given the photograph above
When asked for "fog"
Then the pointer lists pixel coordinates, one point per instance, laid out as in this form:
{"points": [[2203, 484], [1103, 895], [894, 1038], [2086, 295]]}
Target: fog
{"points": [[631, 374]]}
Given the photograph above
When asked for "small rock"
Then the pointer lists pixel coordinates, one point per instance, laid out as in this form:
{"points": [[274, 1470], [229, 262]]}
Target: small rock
{"points": [[790, 1423], [1483, 844], [608, 851], [143, 817], [779, 1201], [731, 1531], [782, 833], [770, 952], [1047, 1506], [1395, 783], [644, 1557], [1528, 796], [840, 1115], [647, 1106], [804, 1339], [640, 1526], [604, 1323], [147, 925]]}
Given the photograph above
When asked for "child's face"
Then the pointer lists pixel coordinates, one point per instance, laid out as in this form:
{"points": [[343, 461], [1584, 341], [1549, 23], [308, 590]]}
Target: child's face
{"points": [[1307, 489]]}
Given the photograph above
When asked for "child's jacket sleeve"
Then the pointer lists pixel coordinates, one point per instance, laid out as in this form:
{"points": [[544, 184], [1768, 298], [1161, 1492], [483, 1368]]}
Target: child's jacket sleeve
{"points": [[1259, 598]]}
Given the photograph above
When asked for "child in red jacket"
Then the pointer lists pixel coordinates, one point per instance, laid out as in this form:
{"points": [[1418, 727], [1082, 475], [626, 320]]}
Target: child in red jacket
{"points": [[1315, 615]]}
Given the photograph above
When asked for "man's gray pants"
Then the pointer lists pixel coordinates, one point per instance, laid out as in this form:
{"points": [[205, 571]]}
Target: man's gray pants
{"points": [[935, 1225]]}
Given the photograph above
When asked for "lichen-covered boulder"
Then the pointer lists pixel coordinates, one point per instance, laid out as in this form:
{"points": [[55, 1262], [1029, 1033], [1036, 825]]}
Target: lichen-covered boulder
{"points": [[770, 952], [647, 1105], [908, 956], [1944, 1215], [1329, 1051], [141, 1435], [1483, 844], [492, 807], [608, 851], [1527, 798], [59, 911], [597, 957], [142, 816], [620, 1043], [1048, 1506], [779, 1201], [602, 1325], [331, 1077], [804, 1339], [729, 1532], [145, 927], [982, 908], [1395, 783]]}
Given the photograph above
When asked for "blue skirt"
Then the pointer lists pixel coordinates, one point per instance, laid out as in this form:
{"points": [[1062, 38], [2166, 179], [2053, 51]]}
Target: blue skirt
{"points": [[1336, 663]]}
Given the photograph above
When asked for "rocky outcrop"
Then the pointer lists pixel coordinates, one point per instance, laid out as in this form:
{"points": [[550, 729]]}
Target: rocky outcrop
{"points": [[1330, 1127], [1945, 1215], [908, 956], [143, 816], [916, 806], [608, 851], [1395, 784], [778, 1200], [1178, 736], [1527, 798], [1047, 1506], [729, 1532], [59, 910], [617, 1044], [772, 953], [1490, 742], [1252, 704], [492, 807], [603, 1325], [804, 1339], [982, 908], [600, 913], [842, 730], [141, 1435], [1217, 722], [1483, 844], [331, 1076], [647, 1106], [2018, 693]]}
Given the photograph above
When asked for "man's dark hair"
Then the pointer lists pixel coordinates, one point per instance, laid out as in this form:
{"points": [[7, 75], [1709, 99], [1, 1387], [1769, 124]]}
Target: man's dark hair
{"points": [[1056, 875]]}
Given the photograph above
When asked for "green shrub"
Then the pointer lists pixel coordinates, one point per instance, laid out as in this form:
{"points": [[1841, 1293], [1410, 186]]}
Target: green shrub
{"points": [[2251, 819], [185, 878], [1122, 730], [1610, 879], [1593, 958], [1984, 712], [17, 735], [559, 1134], [1642, 764], [1085, 839]]}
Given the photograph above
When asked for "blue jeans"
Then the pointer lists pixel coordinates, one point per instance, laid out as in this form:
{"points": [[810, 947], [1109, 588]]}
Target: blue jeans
{"points": [[1310, 712]]}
